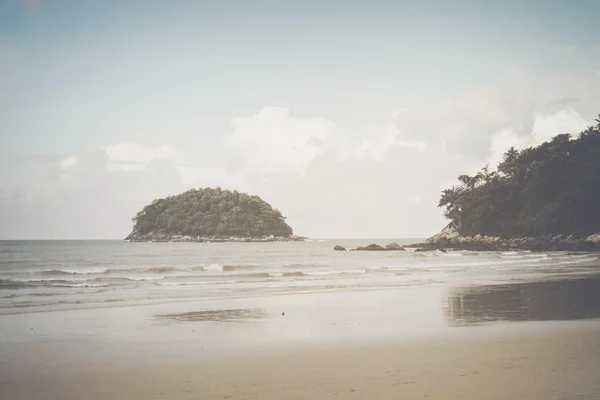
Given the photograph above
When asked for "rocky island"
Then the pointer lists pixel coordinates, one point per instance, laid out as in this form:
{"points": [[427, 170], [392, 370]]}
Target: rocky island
{"points": [[544, 198], [210, 215]]}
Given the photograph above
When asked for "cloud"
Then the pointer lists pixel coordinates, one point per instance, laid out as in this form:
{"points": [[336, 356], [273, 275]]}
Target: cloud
{"points": [[522, 110], [135, 156], [390, 138], [566, 120], [82, 196], [330, 182], [545, 127], [68, 162], [272, 140]]}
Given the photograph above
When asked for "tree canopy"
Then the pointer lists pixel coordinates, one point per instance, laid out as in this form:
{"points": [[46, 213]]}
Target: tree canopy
{"points": [[211, 213], [551, 189]]}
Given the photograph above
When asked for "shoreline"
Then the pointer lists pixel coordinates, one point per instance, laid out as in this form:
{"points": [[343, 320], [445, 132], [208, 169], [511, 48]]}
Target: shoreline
{"points": [[162, 238], [450, 238], [514, 244]]}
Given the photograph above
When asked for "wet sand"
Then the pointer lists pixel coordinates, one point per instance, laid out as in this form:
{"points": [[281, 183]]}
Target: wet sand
{"points": [[556, 364], [538, 340]]}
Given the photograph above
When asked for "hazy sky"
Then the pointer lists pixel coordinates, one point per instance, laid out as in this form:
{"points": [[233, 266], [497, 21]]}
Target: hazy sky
{"points": [[348, 116]]}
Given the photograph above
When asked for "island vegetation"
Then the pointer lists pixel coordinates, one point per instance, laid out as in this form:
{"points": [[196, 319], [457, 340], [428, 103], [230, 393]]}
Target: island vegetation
{"points": [[544, 198], [210, 214], [548, 190]]}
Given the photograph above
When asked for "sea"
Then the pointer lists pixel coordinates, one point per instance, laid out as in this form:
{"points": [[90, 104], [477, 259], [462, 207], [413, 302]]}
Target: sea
{"points": [[63, 275]]}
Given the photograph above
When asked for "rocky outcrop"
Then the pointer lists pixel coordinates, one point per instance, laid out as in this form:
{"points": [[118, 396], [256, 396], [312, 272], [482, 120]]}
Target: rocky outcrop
{"points": [[371, 247], [339, 248], [165, 237], [375, 247], [448, 233], [449, 238], [593, 239], [394, 246]]}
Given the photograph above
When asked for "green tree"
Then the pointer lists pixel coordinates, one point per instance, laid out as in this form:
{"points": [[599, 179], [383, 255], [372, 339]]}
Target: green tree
{"points": [[211, 213], [550, 189]]}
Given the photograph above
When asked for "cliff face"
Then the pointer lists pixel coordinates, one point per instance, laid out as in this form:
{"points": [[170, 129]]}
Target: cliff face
{"points": [[210, 215]]}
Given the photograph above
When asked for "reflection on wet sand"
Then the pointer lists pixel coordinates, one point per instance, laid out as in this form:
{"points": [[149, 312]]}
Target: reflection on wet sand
{"points": [[533, 301], [215, 315]]}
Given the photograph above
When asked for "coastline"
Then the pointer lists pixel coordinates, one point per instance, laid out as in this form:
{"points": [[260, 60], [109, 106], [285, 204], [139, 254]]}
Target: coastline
{"points": [[450, 239], [461, 326], [515, 244], [168, 238]]}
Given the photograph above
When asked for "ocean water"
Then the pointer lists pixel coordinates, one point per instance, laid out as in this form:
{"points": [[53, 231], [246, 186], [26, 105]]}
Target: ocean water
{"points": [[63, 275]]}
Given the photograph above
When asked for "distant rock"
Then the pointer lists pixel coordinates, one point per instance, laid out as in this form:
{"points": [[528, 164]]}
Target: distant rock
{"points": [[339, 248], [394, 246], [375, 247], [593, 238], [371, 247]]}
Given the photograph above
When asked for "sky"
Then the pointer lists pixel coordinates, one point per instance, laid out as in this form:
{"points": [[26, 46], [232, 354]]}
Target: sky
{"points": [[348, 116]]}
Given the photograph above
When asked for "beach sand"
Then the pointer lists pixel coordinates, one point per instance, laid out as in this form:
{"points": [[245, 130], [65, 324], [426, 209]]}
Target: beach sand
{"points": [[519, 341], [502, 342], [554, 364]]}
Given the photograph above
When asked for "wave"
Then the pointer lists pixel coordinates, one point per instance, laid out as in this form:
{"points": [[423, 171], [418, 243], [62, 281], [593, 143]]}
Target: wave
{"points": [[64, 272], [292, 274], [336, 272], [579, 260], [82, 285], [251, 275], [225, 268], [10, 284], [145, 270], [198, 283], [83, 282]]}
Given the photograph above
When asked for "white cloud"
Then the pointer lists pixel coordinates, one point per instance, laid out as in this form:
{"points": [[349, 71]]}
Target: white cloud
{"points": [[379, 147], [81, 197], [68, 162], [545, 127], [272, 140], [327, 181], [135, 156], [566, 120], [132, 155]]}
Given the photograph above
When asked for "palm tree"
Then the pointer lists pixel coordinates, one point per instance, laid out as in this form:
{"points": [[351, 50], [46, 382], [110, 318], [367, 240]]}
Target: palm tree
{"points": [[509, 165]]}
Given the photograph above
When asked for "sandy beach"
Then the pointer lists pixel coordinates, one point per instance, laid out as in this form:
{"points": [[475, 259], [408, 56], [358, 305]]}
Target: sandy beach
{"points": [[546, 363], [369, 344], [388, 326]]}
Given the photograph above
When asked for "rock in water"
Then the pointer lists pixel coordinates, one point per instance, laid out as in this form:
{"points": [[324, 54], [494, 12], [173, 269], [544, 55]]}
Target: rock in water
{"points": [[371, 247], [422, 249], [394, 246], [339, 248]]}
